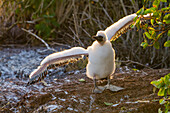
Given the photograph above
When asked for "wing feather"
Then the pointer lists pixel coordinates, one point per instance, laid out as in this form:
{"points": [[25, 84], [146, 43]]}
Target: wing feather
{"points": [[122, 26], [55, 60]]}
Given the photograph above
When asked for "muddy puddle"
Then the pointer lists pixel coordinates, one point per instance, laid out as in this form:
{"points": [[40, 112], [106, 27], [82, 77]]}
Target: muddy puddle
{"points": [[65, 93]]}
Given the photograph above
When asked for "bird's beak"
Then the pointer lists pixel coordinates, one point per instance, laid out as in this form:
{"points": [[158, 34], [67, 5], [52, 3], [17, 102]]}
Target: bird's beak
{"points": [[98, 38]]}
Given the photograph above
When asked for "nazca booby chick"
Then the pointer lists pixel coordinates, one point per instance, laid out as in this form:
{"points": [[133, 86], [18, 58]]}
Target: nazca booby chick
{"points": [[101, 62]]}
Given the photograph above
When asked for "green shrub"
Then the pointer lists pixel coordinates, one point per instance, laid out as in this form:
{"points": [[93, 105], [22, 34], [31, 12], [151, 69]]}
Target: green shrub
{"points": [[163, 84]]}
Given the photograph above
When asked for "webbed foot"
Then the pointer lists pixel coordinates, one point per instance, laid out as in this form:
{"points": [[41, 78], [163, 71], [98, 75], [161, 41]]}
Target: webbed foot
{"points": [[98, 89], [113, 88]]}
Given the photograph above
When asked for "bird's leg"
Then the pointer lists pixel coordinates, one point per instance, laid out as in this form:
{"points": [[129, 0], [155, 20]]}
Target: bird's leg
{"points": [[112, 87], [97, 89]]}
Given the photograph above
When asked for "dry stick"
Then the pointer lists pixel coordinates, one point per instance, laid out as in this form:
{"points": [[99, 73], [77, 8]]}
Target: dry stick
{"points": [[79, 41], [123, 6], [39, 8], [133, 62], [60, 44], [106, 13], [125, 11], [81, 19], [48, 47], [86, 32], [48, 5], [21, 22], [134, 5], [97, 21], [163, 60], [76, 25], [28, 22]]}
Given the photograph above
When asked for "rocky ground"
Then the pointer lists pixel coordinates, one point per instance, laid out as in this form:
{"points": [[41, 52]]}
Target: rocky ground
{"points": [[66, 92]]}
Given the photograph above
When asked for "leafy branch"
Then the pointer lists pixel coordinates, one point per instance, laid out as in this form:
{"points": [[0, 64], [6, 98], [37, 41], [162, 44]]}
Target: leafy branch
{"points": [[158, 25], [163, 84]]}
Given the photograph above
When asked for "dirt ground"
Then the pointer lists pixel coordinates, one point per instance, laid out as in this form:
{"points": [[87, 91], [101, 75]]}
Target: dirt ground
{"points": [[68, 94]]}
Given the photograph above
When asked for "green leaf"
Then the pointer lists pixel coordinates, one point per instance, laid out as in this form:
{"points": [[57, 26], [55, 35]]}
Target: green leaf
{"points": [[146, 25], [134, 69], [160, 23], [167, 80], [156, 45], [167, 17], [168, 92], [152, 21], [132, 26], [167, 21], [141, 11], [161, 92], [135, 18], [151, 28], [166, 8], [148, 35], [153, 34], [167, 107], [144, 44], [168, 32], [167, 43], [81, 80], [17, 11], [165, 92], [162, 101], [157, 83], [148, 11], [48, 16], [163, 0], [157, 14], [168, 75], [108, 104], [137, 23], [156, 3], [160, 111], [154, 89], [138, 12], [133, 1]]}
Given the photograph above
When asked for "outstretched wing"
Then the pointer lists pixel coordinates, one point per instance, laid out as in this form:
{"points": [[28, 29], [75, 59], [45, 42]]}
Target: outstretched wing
{"points": [[55, 60], [121, 26]]}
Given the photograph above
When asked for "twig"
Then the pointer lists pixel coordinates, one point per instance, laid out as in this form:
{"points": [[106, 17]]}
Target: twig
{"points": [[60, 44], [86, 32], [97, 21], [158, 37], [133, 62], [79, 41], [48, 5], [123, 6], [76, 25], [134, 5], [21, 22], [106, 13], [48, 47]]}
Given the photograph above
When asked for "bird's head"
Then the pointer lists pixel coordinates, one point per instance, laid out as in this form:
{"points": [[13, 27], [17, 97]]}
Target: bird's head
{"points": [[100, 37]]}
